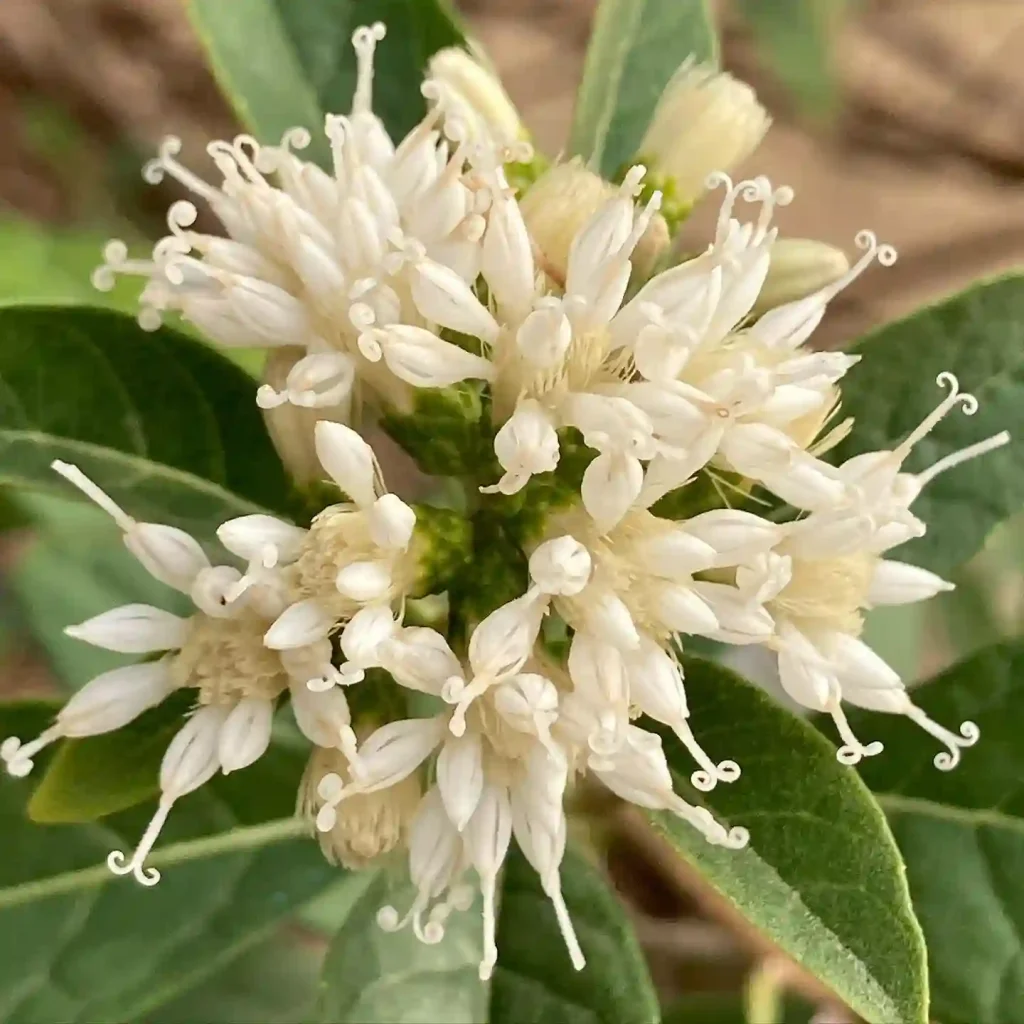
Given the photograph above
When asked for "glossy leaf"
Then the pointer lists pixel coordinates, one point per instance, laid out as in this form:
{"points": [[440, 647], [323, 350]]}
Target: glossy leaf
{"points": [[373, 977], [166, 425], [822, 877], [978, 335], [962, 833], [634, 50], [287, 63], [77, 944]]}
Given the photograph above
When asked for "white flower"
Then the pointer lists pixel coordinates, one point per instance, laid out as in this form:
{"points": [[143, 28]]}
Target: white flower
{"points": [[526, 445], [318, 261], [628, 595], [498, 649], [504, 752], [474, 96], [553, 360], [874, 482], [645, 569], [218, 651], [504, 775], [705, 121], [827, 569], [822, 575], [750, 402], [353, 563]]}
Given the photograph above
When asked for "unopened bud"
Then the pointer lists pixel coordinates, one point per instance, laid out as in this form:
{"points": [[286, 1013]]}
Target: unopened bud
{"points": [[366, 825], [561, 566], [705, 121], [799, 267], [291, 426], [472, 94], [564, 199]]}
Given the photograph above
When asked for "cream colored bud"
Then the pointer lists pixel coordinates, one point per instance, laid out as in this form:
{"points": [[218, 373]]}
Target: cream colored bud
{"points": [[291, 426], [368, 825], [705, 121], [799, 267], [562, 201], [653, 244], [557, 206], [470, 92]]}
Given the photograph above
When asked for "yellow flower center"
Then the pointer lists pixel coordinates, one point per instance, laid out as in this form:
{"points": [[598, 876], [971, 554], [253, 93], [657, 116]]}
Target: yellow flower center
{"points": [[225, 659]]}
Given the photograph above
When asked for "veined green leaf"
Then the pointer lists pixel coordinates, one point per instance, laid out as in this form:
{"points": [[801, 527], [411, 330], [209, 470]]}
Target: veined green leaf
{"points": [[962, 833], [822, 877], [169, 428], [978, 335], [77, 944], [287, 63], [635, 48], [374, 977]]}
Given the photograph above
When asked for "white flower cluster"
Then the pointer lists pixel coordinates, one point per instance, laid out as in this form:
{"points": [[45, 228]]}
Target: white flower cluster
{"points": [[372, 272]]}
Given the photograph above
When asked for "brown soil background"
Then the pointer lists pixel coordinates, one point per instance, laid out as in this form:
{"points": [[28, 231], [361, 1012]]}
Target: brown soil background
{"points": [[928, 150]]}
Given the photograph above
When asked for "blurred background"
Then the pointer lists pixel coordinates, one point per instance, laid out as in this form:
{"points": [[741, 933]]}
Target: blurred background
{"points": [[904, 116]]}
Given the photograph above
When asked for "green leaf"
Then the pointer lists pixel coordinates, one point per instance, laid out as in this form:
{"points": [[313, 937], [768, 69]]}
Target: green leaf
{"points": [[822, 877], [373, 977], [287, 63], [169, 428], [534, 980], [77, 944], [796, 39], [635, 48], [962, 833], [54, 266], [275, 981], [978, 335]]}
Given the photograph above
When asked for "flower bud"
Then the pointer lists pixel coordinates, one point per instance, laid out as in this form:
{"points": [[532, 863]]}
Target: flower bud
{"points": [[562, 201], [167, 553], [349, 461], [132, 629], [900, 583], [391, 522], [460, 777], [245, 734], [291, 426], [364, 581], [561, 566], [367, 825], [472, 94], [115, 698], [799, 267], [526, 444], [705, 121], [192, 756]]}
